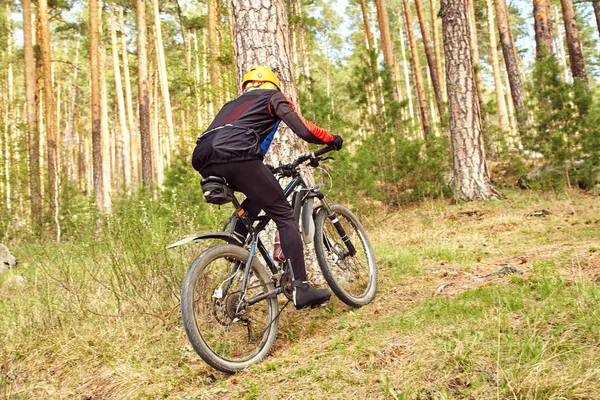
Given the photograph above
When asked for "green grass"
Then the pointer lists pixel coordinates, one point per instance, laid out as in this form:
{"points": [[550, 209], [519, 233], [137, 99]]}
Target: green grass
{"points": [[98, 316]]}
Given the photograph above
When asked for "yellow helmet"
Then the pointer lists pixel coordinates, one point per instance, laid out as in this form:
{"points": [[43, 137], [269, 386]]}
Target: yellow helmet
{"points": [[260, 74]]}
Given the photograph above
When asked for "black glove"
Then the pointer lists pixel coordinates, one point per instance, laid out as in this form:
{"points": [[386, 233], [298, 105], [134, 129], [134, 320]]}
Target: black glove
{"points": [[269, 167], [337, 142]]}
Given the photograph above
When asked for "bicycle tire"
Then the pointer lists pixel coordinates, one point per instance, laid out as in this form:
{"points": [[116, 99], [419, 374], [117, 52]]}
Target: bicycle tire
{"points": [[210, 322], [353, 279]]}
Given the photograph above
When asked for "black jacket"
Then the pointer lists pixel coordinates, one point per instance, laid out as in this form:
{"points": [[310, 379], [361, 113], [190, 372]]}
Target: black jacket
{"points": [[244, 128]]}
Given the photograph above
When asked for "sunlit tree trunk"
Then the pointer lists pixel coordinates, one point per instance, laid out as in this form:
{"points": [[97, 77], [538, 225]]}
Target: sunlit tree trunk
{"points": [[107, 142], [416, 64], [144, 95], [199, 119], [573, 46], [429, 54], [125, 139], [437, 46], [512, 65], [8, 97], [375, 102], [32, 118], [503, 120], [164, 82], [596, 5], [387, 47], [560, 48], [213, 53], [97, 155], [134, 140], [543, 27], [471, 177], [475, 52], [49, 114], [411, 111]]}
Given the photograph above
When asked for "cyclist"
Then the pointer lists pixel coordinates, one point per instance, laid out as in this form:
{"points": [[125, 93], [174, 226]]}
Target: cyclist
{"points": [[234, 146]]}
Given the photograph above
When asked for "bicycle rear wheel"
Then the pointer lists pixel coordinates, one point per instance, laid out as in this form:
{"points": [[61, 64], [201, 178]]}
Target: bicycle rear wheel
{"points": [[227, 334], [353, 278]]}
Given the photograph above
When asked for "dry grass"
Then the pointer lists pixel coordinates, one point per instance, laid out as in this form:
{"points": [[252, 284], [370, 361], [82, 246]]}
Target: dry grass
{"points": [[438, 328]]}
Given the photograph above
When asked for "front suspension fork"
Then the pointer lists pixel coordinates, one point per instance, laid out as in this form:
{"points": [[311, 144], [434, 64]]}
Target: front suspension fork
{"points": [[332, 215]]}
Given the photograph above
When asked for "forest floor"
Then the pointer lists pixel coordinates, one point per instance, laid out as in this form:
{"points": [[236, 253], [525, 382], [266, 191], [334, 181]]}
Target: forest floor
{"points": [[440, 327]]}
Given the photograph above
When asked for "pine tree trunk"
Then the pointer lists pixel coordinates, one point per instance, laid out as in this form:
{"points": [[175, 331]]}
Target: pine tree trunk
{"points": [[416, 64], [213, 52], [107, 142], [125, 138], [512, 65], [97, 155], [562, 58], [164, 82], [429, 54], [49, 115], [573, 46], [411, 110], [475, 52], [438, 48], [503, 120], [387, 47], [261, 37], [134, 140], [32, 119], [199, 119], [543, 27], [596, 5], [376, 105], [144, 96], [471, 177]]}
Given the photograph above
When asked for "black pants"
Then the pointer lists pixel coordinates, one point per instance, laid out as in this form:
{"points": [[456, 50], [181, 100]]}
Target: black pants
{"points": [[263, 192]]}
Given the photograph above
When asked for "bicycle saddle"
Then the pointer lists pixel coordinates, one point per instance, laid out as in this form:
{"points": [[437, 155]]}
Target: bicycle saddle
{"points": [[214, 179], [216, 190]]}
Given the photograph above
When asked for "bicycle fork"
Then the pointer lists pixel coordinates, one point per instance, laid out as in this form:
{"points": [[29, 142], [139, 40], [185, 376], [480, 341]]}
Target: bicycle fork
{"points": [[332, 215]]}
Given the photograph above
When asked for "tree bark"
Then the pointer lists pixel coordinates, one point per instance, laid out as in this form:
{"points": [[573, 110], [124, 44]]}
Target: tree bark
{"points": [[429, 54], [32, 119], [471, 176], [503, 120], [573, 46], [164, 81], [475, 52], [375, 104], [438, 48], [543, 27], [144, 95], [386, 46], [125, 139], [213, 53], [49, 115], [134, 142], [261, 37], [421, 98], [596, 5], [411, 111], [512, 65], [97, 155], [108, 155], [562, 58]]}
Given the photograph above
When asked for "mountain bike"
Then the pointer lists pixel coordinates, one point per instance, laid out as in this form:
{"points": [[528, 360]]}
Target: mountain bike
{"points": [[229, 298]]}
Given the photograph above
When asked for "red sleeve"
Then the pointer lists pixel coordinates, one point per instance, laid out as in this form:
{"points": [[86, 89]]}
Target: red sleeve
{"points": [[281, 106]]}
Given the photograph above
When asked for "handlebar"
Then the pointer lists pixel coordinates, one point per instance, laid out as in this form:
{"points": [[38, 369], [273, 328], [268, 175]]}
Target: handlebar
{"points": [[283, 168]]}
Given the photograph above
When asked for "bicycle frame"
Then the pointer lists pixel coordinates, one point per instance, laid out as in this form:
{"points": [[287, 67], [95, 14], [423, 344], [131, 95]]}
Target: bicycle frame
{"points": [[254, 243]]}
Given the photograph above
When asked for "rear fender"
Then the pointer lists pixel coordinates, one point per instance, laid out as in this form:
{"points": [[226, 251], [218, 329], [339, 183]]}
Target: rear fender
{"points": [[225, 236]]}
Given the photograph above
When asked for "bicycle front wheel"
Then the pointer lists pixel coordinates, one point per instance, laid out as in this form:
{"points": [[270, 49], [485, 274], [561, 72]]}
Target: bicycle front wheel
{"points": [[352, 277], [226, 332]]}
